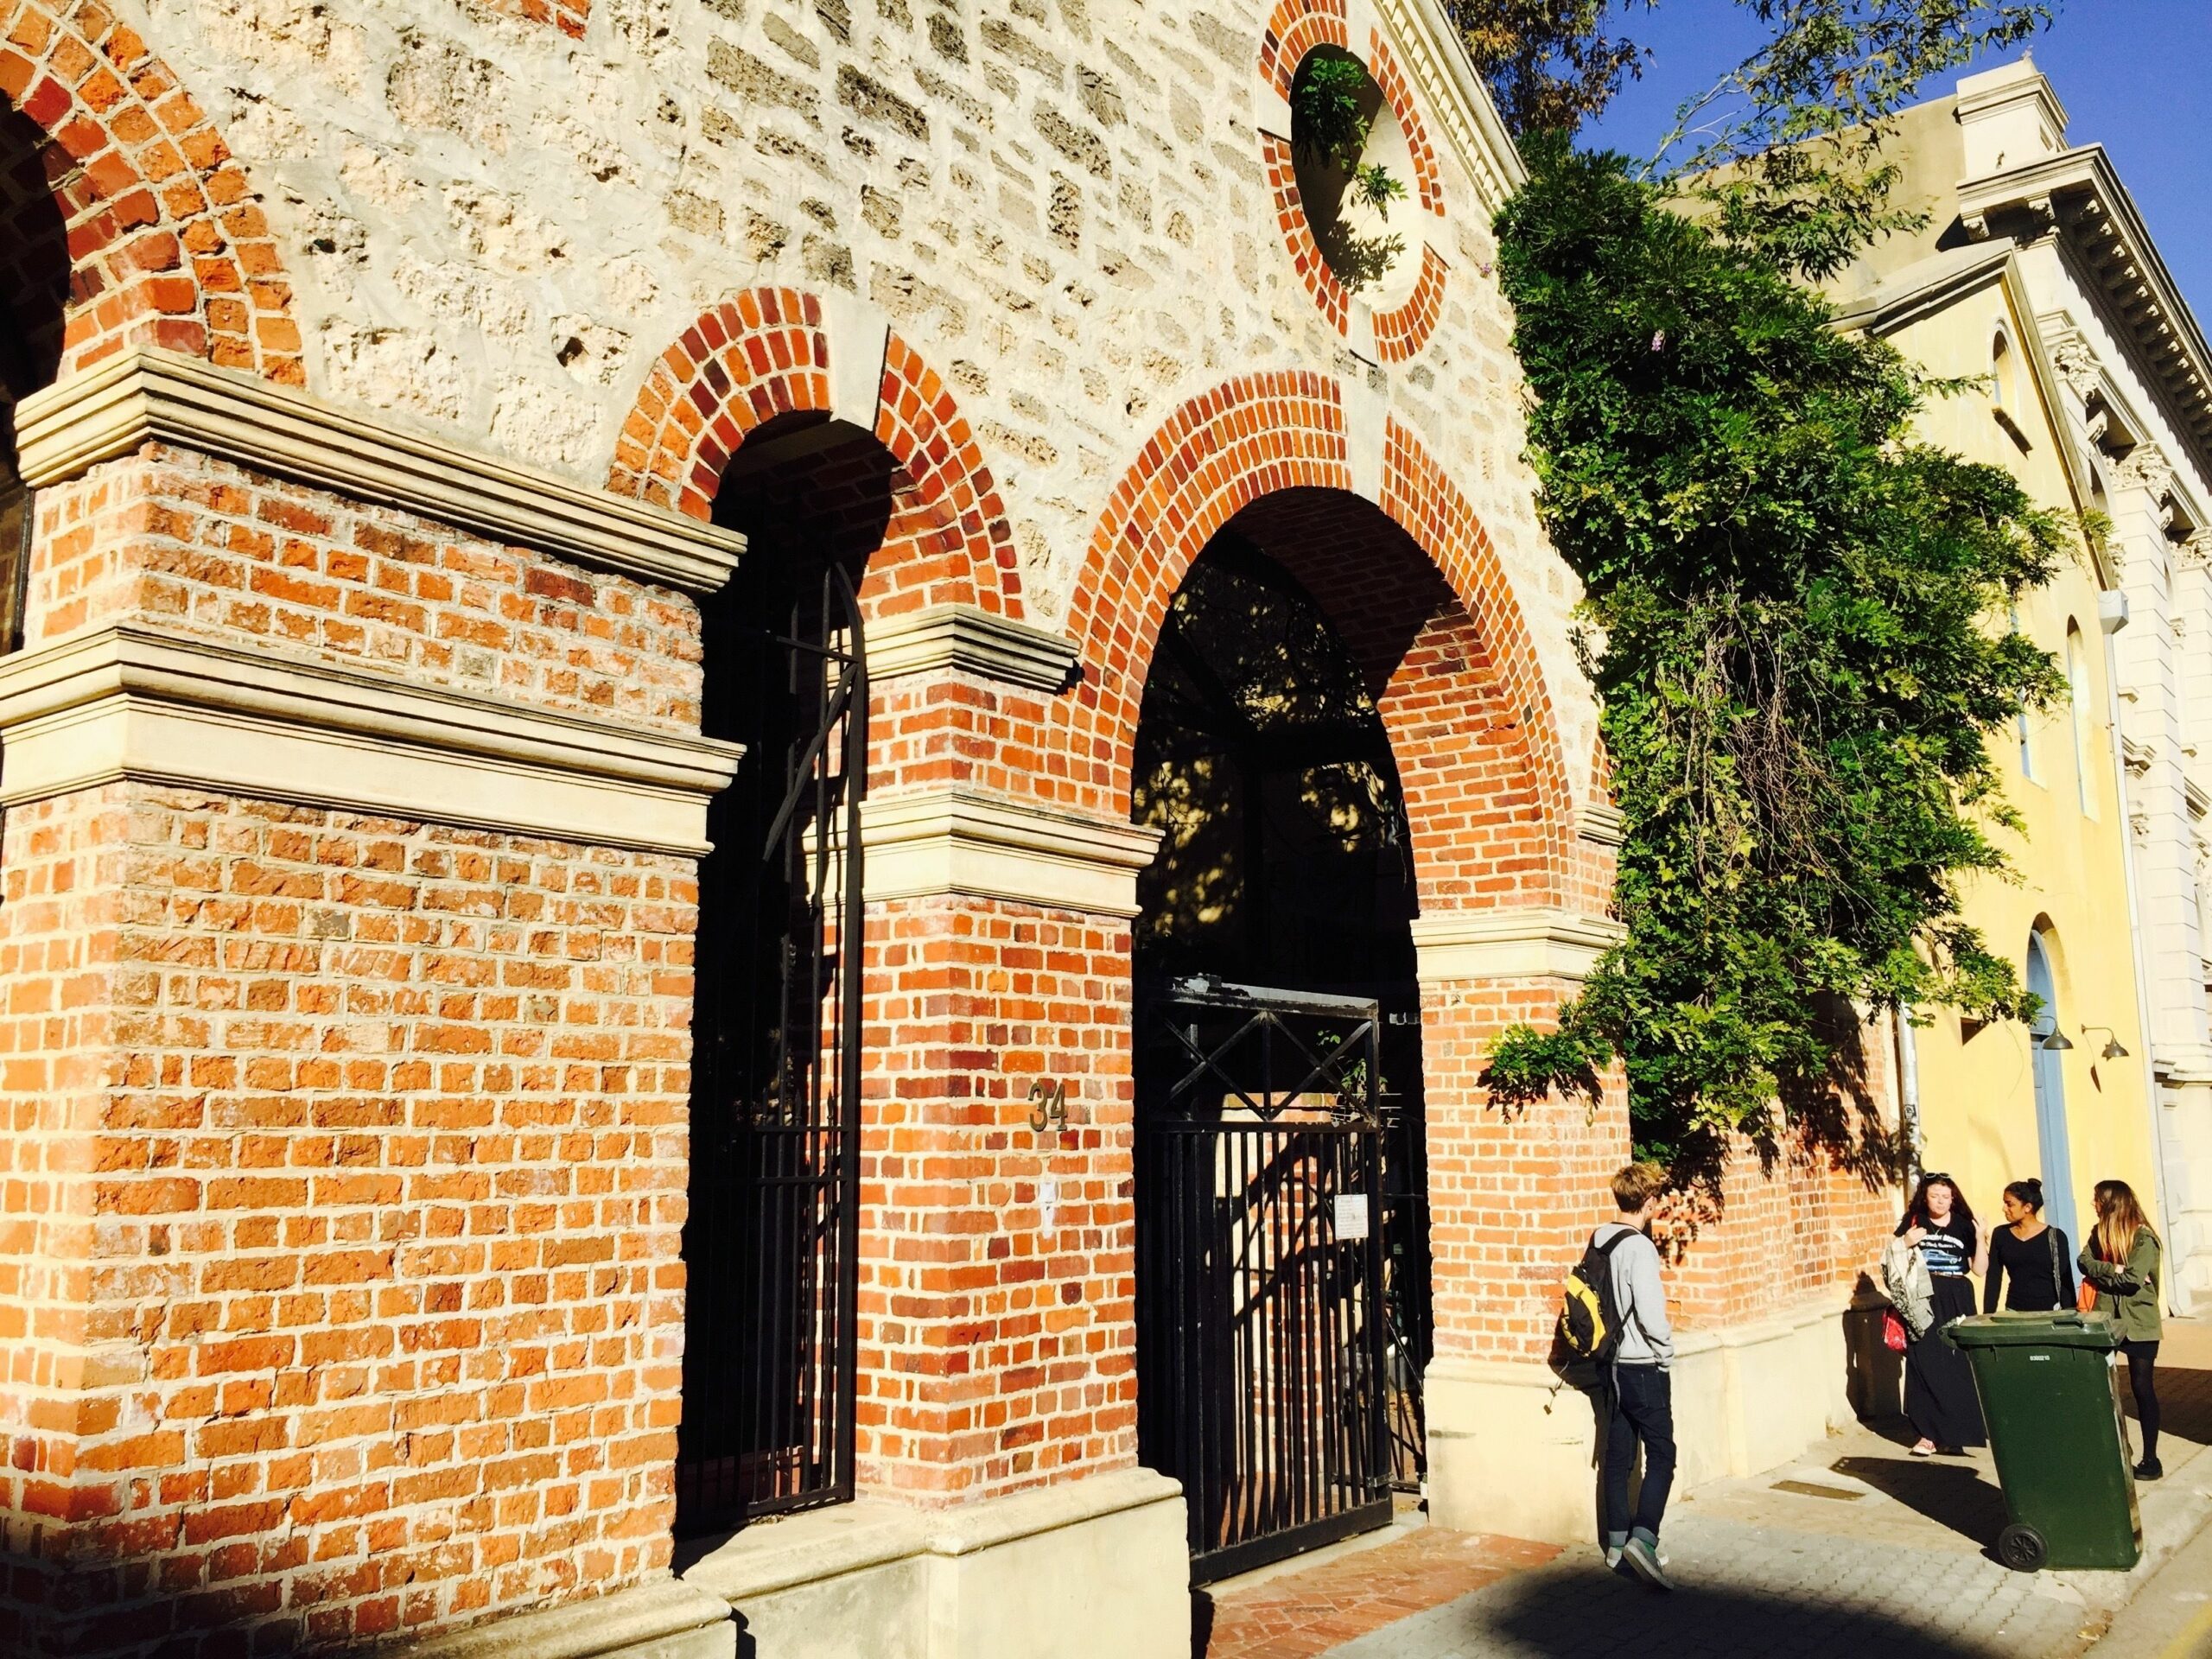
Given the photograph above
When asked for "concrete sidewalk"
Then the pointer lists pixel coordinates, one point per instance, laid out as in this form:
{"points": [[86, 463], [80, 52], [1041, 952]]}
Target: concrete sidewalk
{"points": [[1858, 1548]]}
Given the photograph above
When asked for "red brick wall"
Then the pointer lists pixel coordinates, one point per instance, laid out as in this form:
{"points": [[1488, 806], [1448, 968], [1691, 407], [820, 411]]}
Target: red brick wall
{"points": [[370, 1139], [171, 247], [1800, 1228], [992, 1357], [1513, 1192], [210, 548]]}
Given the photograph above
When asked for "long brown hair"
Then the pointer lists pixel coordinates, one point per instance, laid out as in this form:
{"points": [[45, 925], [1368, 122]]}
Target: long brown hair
{"points": [[2119, 1218], [1915, 1213]]}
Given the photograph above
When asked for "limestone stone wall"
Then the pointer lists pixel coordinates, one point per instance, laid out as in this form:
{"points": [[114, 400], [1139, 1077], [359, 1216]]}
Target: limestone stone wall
{"points": [[494, 228]]}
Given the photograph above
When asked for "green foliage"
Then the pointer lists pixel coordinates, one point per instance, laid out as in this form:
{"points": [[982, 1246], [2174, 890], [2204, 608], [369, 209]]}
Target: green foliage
{"points": [[1792, 618], [1785, 149], [1550, 64], [1372, 183], [1329, 122]]}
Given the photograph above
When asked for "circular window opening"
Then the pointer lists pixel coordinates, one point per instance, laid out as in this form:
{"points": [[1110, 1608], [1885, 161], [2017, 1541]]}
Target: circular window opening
{"points": [[1355, 172]]}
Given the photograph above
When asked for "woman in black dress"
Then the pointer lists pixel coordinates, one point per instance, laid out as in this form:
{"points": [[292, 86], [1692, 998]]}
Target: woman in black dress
{"points": [[2030, 1252], [1939, 1393]]}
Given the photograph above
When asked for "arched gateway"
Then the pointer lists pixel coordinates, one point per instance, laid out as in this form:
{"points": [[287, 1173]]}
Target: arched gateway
{"points": [[937, 1288]]}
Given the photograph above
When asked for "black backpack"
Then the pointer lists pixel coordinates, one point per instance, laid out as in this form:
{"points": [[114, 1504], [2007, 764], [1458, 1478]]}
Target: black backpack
{"points": [[1590, 1319]]}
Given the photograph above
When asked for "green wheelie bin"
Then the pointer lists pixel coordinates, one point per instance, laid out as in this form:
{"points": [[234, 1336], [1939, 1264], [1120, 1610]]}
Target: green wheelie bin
{"points": [[2051, 1399]]}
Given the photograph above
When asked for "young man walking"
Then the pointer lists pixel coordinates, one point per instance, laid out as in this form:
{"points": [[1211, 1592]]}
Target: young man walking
{"points": [[1643, 1411]]}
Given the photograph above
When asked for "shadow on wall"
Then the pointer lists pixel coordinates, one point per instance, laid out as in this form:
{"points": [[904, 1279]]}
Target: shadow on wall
{"points": [[1873, 1380]]}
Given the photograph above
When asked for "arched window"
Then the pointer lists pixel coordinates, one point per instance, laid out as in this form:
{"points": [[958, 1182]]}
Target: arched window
{"points": [[2078, 695], [2002, 369], [2020, 720]]}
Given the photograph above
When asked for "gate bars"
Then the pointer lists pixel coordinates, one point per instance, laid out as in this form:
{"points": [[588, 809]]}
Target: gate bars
{"points": [[1262, 1356], [771, 1244]]}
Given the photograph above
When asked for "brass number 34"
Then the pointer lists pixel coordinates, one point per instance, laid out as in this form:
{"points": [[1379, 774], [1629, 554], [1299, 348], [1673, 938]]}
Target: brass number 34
{"points": [[1048, 1105]]}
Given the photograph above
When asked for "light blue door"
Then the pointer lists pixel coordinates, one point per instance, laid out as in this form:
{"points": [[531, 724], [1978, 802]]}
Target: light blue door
{"points": [[2050, 1098]]}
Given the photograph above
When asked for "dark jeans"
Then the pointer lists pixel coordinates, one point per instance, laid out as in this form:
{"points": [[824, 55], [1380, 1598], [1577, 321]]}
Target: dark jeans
{"points": [[1645, 1413]]}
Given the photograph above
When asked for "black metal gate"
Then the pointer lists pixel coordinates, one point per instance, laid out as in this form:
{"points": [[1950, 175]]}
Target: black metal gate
{"points": [[769, 1245], [1263, 1347]]}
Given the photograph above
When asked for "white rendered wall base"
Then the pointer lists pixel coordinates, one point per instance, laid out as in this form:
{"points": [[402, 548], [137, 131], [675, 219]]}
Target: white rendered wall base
{"points": [[1510, 1447], [659, 1620], [1092, 1569]]}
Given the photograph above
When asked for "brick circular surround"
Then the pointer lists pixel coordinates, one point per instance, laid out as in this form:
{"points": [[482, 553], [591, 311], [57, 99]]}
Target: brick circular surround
{"points": [[1295, 29]]}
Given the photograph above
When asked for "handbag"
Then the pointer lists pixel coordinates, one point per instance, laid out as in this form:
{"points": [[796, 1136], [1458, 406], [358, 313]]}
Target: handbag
{"points": [[1894, 1335], [2085, 1293]]}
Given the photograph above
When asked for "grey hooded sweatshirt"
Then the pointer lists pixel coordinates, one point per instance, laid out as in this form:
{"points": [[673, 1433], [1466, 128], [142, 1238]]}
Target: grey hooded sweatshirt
{"points": [[1646, 1337]]}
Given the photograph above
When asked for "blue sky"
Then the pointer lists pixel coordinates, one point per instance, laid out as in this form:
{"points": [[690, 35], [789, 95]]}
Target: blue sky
{"points": [[2135, 75]]}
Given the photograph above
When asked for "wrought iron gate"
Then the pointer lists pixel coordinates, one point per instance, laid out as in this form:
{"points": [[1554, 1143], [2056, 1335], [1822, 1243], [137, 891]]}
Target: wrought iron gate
{"points": [[1263, 1341], [771, 1242]]}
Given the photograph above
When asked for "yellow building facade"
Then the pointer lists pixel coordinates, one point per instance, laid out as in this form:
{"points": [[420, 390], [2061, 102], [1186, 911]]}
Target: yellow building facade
{"points": [[2068, 1100]]}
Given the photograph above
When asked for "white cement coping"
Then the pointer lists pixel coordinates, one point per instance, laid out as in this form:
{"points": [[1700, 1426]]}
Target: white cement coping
{"points": [[956, 840], [582, 1630], [128, 701], [972, 638], [146, 395], [1512, 942], [827, 1543]]}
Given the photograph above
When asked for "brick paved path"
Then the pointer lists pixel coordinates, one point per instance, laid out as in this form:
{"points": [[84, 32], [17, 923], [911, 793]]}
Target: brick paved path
{"points": [[1856, 1549], [1306, 1613]]}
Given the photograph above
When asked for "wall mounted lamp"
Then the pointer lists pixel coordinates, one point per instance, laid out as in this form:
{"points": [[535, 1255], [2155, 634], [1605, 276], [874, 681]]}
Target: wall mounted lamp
{"points": [[2056, 1043], [2113, 1049]]}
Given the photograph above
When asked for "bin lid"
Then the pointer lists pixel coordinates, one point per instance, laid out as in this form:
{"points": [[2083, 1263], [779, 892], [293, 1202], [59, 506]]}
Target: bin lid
{"points": [[2063, 1328]]}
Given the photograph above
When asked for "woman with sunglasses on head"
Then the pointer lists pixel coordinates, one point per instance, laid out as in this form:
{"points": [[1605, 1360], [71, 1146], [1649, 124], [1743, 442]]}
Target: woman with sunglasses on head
{"points": [[1939, 1229], [2121, 1260], [2032, 1253]]}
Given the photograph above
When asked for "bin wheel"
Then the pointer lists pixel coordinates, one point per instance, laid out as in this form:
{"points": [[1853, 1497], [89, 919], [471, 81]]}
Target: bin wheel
{"points": [[2021, 1549]]}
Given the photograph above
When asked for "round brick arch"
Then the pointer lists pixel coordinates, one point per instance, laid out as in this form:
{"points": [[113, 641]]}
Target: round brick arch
{"points": [[168, 246], [765, 353], [1411, 580]]}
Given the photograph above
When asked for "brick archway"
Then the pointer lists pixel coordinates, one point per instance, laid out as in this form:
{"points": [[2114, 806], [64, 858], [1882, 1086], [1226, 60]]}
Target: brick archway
{"points": [[1414, 583], [168, 246], [768, 352]]}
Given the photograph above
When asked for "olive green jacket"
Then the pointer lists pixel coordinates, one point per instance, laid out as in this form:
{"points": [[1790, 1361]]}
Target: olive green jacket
{"points": [[2129, 1294]]}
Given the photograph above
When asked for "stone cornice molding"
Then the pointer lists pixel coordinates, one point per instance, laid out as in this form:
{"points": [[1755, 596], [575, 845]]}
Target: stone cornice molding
{"points": [[959, 842], [1458, 102], [129, 701], [973, 640], [1603, 824], [146, 395], [2078, 191], [1519, 942]]}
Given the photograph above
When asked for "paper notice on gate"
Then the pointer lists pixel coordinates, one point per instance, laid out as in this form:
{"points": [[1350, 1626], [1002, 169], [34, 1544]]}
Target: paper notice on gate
{"points": [[1351, 1217]]}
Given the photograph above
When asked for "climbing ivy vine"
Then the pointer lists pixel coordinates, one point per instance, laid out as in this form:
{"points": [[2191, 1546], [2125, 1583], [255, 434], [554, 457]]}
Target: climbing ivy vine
{"points": [[1794, 619]]}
